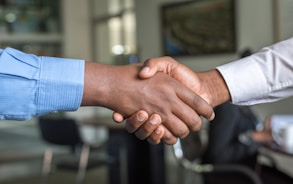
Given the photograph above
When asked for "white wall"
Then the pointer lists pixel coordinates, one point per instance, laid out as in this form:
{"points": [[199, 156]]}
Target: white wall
{"points": [[254, 30]]}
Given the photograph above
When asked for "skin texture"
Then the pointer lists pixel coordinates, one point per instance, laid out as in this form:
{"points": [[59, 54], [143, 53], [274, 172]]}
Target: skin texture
{"points": [[120, 89], [209, 85], [264, 136]]}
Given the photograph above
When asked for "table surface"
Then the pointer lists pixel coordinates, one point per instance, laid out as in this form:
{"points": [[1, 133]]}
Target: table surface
{"points": [[102, 121], [277, 148]]}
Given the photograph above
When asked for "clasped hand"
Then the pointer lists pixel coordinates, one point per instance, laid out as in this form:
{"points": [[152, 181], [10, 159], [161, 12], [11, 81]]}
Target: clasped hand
{"points": [[157, 125]]}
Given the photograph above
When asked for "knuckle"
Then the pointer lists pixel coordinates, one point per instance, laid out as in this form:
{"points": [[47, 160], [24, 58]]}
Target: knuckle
{"points": [[167, 138], [129, 128], [149, 61], [139, 136], [168, 58], [153, 141], [170, 141], [185, 134], [197, 101], [181, 132], [196, 124]]}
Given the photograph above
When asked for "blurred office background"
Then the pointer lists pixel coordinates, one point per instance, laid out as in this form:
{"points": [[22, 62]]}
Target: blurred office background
{"points": [[117, 32]]}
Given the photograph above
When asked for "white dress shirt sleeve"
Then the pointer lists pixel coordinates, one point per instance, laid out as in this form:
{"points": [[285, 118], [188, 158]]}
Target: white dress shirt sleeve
{"points": [[263, 77]]}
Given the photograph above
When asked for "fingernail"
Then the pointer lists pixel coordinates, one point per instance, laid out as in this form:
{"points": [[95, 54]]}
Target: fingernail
{"points": [[141, 117], [145, 69], [158, 131], [154, 121], [212, 116]]}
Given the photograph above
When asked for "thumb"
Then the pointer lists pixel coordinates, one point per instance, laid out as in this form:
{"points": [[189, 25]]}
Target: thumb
{"points": [[117, 117], [147, 72], [151, 67]]}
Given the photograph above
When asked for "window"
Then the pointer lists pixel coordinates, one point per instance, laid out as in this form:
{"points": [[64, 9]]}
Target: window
{"points": [[114, 31]]}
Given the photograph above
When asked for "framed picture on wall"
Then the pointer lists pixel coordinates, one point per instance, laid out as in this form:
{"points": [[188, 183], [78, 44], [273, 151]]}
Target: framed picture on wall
{"points": [[198, 27]]}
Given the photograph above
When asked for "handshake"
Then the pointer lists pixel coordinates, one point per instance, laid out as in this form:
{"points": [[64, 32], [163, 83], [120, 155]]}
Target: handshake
{"points": [[161, 100]]}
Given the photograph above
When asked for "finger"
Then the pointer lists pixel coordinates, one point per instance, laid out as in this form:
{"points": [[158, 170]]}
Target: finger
{"points": [[183, 117], [117, 117], [168, 137], [198, 104], [148, 127], [188, 119], [154, 65], [157, 135], [176, 126], [134, 122]]}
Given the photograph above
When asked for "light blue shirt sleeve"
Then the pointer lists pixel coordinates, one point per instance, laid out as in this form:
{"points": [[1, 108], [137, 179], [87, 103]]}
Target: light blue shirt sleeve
{"points": [[31, 86]]}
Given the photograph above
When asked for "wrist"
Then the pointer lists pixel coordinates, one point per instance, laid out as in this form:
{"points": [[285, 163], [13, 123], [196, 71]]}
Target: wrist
{"points": [[214, 87], [96, 88]]}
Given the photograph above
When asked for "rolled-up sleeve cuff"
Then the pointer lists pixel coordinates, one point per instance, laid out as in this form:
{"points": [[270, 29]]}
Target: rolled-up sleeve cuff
{"points": [[245, 81], [60, 85]]}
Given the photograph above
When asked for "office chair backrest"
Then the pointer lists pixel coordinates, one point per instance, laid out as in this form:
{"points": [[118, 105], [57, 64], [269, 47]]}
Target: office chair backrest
{"points": [[189, 152], [60, 131]]}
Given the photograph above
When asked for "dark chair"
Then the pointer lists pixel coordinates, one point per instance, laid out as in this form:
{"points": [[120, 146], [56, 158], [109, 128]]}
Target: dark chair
{"points": [[188, 152], [65, 132]]}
